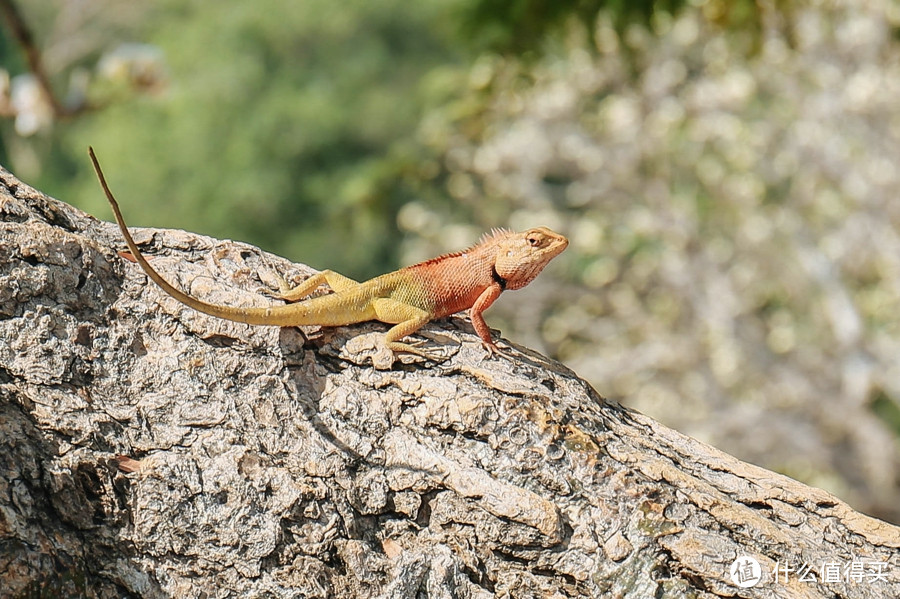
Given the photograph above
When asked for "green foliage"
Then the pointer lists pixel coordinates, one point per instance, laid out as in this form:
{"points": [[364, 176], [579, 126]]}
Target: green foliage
{"points": [[283, 125], [522, 27], [291, 125], [519, 26]]}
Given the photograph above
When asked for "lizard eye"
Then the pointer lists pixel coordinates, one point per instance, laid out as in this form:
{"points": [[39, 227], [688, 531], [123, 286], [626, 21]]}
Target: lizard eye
{"points": [[533, 241]]}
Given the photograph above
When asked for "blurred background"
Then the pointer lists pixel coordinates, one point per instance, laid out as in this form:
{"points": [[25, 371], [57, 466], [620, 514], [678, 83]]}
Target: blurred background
{"points": [[726, 172]]}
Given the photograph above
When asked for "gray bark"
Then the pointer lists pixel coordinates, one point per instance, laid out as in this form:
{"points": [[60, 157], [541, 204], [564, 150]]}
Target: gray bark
{"points": [[147, 450]]}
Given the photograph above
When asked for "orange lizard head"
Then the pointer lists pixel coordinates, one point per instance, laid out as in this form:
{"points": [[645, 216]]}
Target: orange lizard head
{"points": [[520, 257]]}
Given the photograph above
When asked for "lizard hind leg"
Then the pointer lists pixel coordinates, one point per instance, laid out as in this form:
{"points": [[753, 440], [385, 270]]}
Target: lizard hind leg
{"points": [[336, 281], [407, 320]]}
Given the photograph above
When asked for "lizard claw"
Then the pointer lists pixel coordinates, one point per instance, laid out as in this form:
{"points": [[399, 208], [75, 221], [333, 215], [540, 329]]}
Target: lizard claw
{"points": [[493, 350]]}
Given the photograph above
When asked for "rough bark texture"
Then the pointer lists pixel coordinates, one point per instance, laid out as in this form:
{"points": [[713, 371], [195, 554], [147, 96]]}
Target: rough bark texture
{"points": [[147, 450]]}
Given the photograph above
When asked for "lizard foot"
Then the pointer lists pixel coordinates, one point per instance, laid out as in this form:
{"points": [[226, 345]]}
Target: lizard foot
{"points": [[493, 350], [413, 348]]}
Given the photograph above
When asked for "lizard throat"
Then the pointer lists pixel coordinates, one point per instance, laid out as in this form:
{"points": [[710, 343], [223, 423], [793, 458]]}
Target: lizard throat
{"points": [[498, 279]]}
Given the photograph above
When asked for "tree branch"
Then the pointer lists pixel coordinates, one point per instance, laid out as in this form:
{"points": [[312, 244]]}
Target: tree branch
{"points": [[151, 451], [25, 38]]}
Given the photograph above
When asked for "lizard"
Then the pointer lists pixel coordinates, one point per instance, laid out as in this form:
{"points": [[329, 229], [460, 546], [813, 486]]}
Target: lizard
{"points": [[408, 298]]}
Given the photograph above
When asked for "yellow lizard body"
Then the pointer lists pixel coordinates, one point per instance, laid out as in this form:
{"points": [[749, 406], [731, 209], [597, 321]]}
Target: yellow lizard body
{"points": [[407, 298]]}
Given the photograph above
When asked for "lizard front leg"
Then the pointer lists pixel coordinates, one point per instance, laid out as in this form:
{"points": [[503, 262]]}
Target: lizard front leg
{"points": [[408, 319], [484, 301]]}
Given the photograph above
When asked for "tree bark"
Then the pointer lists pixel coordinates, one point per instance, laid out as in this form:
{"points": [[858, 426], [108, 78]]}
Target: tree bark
{"points": [[147, 450]]}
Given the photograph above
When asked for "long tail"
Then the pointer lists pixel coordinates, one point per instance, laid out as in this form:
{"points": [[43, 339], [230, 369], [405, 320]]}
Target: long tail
{"points": [[278, 315]]}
